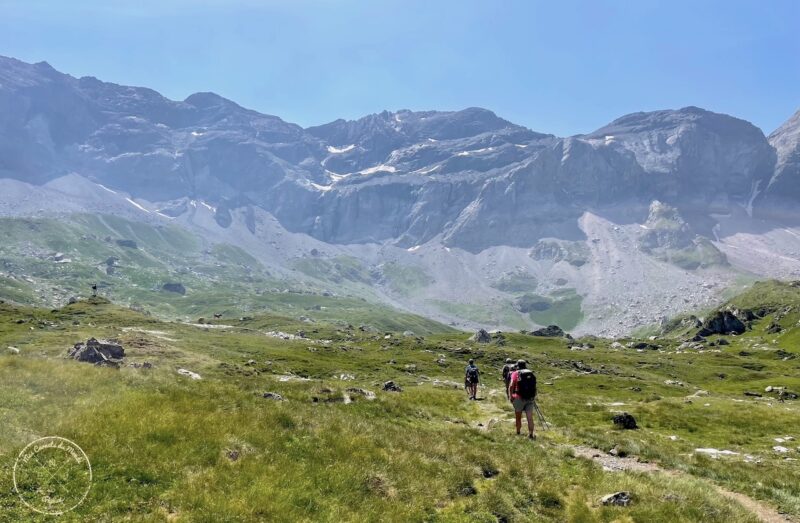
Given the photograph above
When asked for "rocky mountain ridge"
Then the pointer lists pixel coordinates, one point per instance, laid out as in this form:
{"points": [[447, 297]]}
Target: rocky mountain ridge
{"points": [[473, 213]]}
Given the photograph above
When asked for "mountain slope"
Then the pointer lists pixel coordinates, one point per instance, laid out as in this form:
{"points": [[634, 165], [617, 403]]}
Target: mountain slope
{"points": [[437, 209]]}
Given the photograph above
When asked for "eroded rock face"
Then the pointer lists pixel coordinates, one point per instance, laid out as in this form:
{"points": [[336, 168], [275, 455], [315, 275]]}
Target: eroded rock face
{"points": [[98, 352], [722, 322], [469, 177], [781, 195]]}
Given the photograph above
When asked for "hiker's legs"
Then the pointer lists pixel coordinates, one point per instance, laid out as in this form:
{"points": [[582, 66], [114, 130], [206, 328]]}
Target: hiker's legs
{"points": [[529, 416], [518, 416], [474, 391]]}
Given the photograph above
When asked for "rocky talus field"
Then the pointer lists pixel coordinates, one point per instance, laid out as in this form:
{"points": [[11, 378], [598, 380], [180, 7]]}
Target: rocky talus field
{"points": [[363, 417]]}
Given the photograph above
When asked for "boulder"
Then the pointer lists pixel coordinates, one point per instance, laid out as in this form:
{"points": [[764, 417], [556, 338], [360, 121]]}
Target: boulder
{"points": [[13, 350], [98, 352], [620, 499], [551, 331], [481, 336], [625, 421], [189, 374]]}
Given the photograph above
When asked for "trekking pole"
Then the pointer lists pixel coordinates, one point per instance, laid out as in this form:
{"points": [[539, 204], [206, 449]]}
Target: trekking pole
{"points": [[539, 413]]}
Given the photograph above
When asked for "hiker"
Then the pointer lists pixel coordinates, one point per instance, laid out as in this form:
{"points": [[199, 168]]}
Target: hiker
{"points": [[472, 377], [522, 391], [508, 368]]}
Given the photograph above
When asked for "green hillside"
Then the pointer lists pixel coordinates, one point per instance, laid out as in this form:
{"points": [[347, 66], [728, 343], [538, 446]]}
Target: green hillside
{"points": [[168, 448]]}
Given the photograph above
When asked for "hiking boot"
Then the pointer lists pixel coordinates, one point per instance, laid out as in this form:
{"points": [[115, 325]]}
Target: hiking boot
{"points": [[532, 436]]}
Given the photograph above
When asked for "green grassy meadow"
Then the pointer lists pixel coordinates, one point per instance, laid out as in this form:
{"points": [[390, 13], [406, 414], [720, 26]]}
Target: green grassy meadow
{"points": [[164, 447]]}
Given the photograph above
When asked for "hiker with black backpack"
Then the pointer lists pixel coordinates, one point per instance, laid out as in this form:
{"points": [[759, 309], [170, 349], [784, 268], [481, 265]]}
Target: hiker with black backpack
{"points": [[472, 377], [508, 368], [522, 391]]}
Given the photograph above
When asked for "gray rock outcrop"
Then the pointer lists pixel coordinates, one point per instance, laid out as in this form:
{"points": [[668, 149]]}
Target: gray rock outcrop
{"points": [[98, 352]]}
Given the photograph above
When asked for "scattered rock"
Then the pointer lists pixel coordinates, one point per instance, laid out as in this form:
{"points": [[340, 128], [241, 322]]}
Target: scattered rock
{"points": [[773, 328], [408, 334], [619, 499], [368, 394], [145, 365], [189, 374], [72, 300], [13, 350], [780, 449], [391, 386], [675, 383], [272, 396], [716, 453], [625, 420], [283, 335], [103, 353], [551, 331], [752, 394], [447, 383]]}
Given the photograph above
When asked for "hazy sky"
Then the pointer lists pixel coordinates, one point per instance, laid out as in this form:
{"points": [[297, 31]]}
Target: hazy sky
{"points": [[559, 66]]}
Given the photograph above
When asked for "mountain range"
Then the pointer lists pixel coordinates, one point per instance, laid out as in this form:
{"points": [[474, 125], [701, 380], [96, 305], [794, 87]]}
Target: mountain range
{"points": [[461, 216]]}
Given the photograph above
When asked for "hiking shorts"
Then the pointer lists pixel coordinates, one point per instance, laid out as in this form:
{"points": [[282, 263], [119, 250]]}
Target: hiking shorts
{"points": [[522, 405]]}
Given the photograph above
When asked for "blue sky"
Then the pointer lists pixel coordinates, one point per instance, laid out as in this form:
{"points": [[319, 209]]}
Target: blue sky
{"points": [[564, 67]]}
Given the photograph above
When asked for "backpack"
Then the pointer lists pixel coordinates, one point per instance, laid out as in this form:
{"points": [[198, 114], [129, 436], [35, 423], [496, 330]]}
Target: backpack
{"points": [[472, 374], [526, 384]]}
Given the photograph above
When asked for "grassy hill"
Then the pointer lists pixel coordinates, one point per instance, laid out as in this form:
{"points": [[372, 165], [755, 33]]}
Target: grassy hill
{"points": [[168, 448], [45, 261]]}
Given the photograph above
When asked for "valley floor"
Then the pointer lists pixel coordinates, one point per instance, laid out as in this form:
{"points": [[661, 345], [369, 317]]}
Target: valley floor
{"points": [[166, 447]]}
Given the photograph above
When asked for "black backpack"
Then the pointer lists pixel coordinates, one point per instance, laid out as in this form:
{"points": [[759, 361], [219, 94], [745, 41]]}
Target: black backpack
{"points": [[472, 374], [526, 384]]}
